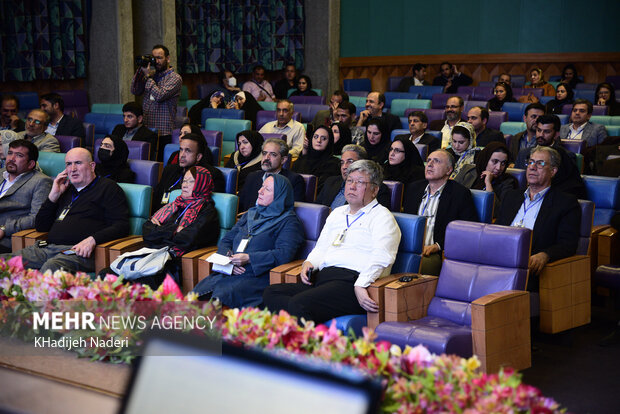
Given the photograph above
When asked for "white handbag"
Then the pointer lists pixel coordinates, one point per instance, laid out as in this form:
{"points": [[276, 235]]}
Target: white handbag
{"points": [[139, 263]]}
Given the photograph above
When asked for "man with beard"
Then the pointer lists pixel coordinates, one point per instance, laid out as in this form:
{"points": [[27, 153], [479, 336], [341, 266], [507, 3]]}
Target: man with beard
{"points": [[161, 87], [289, 81], [285, 124], [450, 78], [527, 139], [22, 192], [60, 124], [375, 101], [36, 123], [275, 154], [9, 107], [454, 109]]}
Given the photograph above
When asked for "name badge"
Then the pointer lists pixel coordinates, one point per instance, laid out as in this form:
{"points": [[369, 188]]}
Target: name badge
{"points": [[340, 238], [63, 214], [242, 245], [152, 98], [165, 198]]}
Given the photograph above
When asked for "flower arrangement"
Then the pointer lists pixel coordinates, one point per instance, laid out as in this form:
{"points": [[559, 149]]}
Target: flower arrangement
{"points": [[414, 380]]}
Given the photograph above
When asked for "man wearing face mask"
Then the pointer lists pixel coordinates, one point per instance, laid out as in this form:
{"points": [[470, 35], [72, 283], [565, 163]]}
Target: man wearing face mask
{"points": [[227, 86]]}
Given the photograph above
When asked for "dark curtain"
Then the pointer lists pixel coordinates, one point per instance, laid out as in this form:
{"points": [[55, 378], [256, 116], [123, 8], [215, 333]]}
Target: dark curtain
{"points": [[42, 39], [213, 35]]}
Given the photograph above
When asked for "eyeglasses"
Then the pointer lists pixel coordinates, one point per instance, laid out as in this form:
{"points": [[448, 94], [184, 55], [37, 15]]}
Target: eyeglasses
{"points": [[537, 163], [350, 182], [347, 162], [35, 121], [397, 150], [192, 182]]}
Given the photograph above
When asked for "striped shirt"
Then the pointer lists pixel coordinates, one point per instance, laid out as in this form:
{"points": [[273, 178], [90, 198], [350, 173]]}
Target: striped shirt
{"points": [[428, 209], [161, 95]]}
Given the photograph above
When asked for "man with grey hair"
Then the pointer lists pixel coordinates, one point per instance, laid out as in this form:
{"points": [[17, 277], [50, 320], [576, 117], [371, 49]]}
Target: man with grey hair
{"points": [[285, 124], [357, 245], [332, 194], [36, 123], [553, 216], [440, 200], [275, 154]]}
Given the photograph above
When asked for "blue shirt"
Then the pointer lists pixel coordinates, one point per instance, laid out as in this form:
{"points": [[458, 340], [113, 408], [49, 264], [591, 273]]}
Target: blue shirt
{"points": [[528, 212]]}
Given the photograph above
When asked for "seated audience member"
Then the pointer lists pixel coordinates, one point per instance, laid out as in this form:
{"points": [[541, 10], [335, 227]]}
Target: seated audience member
{"points": [[417, 127], [22, 192], [36, 123], [527, 138], [564, 95], [285, 124], [454, 109], [440, 200], [9, 107], [268, 235], [342, 136], [377, 140], [553, 216], [450, 78], [191, 154], [60, 124], [328, 116], [567, 178], [506, 78], [304, 87], [570, 76], [403, 162], [537, 81], [418, 72], [345, 114], [227, 85], [246, 102], [113, 154], [132, 128], [248, 157], [357, 245], [6, 137], [258, 86], [375, 101], [489, 173], [188, 223], [580, 126], [280, 89], [332, 194], [318, 157], [478, 118], [503, 93], [605, 95], [81, 211], [275, 154], [463, 148], [191, 129]]}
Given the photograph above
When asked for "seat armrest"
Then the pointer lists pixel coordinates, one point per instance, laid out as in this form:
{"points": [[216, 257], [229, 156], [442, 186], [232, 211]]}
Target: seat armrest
{"points": [[123, 246], [293, 275], [500, 324], [204, 267], [277, 274], [405, 301], [593, 248], [608, 242], [18, 239], [31, 238], [102, 253], [189, 267], [376, 291]]}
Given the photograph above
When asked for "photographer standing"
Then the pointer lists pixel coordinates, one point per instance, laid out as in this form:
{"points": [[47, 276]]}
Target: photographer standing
{"points": [[161, 87]]}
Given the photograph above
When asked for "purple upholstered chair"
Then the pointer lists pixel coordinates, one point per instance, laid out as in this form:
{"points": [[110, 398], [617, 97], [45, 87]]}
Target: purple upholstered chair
{"points": [[230, 179], [469, 90], [89, 140], [596, 109], [434, 114], [67, 142], [357, 84], [410, 110], [483, 93], [262, 117], [307, 100], [308, 111], [393, 82], [496, 119], [470, 104], [311, 186], [76, 101], [439, 100], [519, 174], [396, 195], [147, 172], [423, 150], [576, 146], [482, 262]]}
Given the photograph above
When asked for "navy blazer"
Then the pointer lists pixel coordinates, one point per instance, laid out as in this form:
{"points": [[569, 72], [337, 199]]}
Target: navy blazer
{"points": [[254, 181]]}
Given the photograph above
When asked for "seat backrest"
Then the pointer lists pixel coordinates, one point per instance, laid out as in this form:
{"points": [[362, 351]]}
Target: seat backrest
{"points": [[605, 193], [439, 100], [51, 163], [512, 128], [412, 229], [308, 111], [484, 201], [434, 114], [390, 96], [496, 119], [393, 82], [76, 101], [423, 150], [469, 90], [67, 142], [107, 108], [312, 100], [312, 217], [471, 103], [479, 259], [147, 172], [104, 123], [89, 140], [602, 119], [483, 93], [262, 117], [600, 110], [515, 111], [221, 113], [519, 174], [400, 131], [27, 102], [426, 92], [311, 183], [139, 203], [359, 84], [230, 179], [138, 150], [230, 128], [226, 206], [585, 229], [400, 105], [574, 145], [585, 94], [204, 88], [213, 138], [396, 195]]}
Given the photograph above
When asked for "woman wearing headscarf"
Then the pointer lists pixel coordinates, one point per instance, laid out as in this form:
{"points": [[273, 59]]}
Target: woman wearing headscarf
{"points": [[503, 94], [377, 140], [248, 157], [113, 154], [563, 96], [570, 76], [246, 102], [268, 235], [304, 87], [489, 172], [537, 81], [463, 146], [403, 162], [188, 223], [342, 136], [317, 158]]}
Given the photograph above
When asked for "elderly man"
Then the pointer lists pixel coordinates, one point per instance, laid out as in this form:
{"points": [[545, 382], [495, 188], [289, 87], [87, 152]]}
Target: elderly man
{"points": [[454, 109], [552, 215], [36, 124], [440, 200], [81, 211], [275, 155], [357, 245], [285, 124], [581, 128], [22, 192], [60, 124], [260, 89], [375, 101]]}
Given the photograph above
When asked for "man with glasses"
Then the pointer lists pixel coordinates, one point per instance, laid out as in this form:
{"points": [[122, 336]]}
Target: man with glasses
{"points": [[36, 124], [440, 200], [357, 246], [275, 155], [9, 119], [553, 216], [328, 116], [454, 109], [332, 194], [567, 178]]}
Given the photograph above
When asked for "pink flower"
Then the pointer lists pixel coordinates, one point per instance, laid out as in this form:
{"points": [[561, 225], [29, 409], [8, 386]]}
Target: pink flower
{"points": [[169, 286], [419, 354], [110, 278], [16, 263], [383, 346]]}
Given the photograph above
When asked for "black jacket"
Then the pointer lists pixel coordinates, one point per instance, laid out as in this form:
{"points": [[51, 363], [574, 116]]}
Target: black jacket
{"points": [[431, 141], [142, 134], [70, 126]]}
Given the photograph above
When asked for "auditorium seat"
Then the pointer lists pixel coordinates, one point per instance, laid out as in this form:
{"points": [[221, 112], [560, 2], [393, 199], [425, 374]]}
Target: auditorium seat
{"points": [[496, 119], [89, 130], [439, 100], [104, 123], [605, 193], [484, 202], [359, 84], [512, 128], [519, 174], [400, 105], [585, 94], [107, 108], [230, 128], [307, 100], [434, 114], [396, 195], [470, 104], [483, 93], [307, 111], [204, 88], [76, 102], [230, 179], [67, 142], [311, 184], [27, 102], [147, 172], [390, 96], [262, 117], [426, 92], [597, 110], [393, 82], [221, 113], [576, 146], [51, 163], [515, 111], [138, 150]]}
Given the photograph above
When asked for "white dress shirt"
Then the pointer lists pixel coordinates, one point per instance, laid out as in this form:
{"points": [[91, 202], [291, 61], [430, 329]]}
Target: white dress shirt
{"points": [[295, 133]]}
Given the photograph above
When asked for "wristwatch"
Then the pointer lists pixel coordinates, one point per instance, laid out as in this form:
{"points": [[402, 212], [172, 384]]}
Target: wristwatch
{"points": [[3, 227]]}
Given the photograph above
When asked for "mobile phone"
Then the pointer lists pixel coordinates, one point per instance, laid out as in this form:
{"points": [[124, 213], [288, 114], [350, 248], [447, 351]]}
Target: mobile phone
{"points": [[68, 252], [407, 278]]}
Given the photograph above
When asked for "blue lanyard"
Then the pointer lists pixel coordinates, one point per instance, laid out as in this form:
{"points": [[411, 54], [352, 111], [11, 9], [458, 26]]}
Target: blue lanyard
{"points": [[525, 209], [182, 213], [358, 217], [428, 200], [79, 193], [175, 183], [2, 187]]}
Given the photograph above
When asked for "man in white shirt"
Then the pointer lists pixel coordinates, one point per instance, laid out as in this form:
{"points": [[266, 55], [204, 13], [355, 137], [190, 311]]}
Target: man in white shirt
{"points": [[60, 124], [357, 245], [454, 109], [285, 124], [580, 127], [419, 73]]}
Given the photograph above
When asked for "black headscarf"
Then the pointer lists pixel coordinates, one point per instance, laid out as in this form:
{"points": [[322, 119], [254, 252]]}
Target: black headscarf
{"points": [[256, 140], [378, 151], [483, 160], [412, 167], [322, 164], [116, 167], [250, 107], [495, 104], [555, 105], [345, 137]]}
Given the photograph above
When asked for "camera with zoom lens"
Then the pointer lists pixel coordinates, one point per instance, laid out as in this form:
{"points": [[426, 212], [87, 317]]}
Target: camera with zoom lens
{"points": [[144, 60]]}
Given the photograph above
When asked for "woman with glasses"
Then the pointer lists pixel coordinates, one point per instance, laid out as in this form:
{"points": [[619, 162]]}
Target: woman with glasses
{"points": [[503, 93], [318, 158], [403, 162]]}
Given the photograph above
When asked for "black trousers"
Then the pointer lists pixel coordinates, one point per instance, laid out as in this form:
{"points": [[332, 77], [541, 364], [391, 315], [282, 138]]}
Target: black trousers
{"points": [[331, 295]]}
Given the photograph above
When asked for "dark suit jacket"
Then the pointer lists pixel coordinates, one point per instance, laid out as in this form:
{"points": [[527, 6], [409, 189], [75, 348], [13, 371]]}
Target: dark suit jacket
{"points": [[460, 80], [71, 126], [489, 135], [455, 203], [431, 141], [556, 230], [406, 83], [142, 134], [391, 121], [332, 187], [437, 124], [254, 181]]}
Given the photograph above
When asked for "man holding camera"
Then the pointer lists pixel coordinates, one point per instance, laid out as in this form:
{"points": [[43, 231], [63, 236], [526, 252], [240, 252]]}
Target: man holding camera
{"points": [[161, 87]]}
